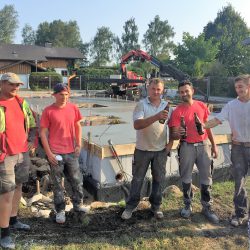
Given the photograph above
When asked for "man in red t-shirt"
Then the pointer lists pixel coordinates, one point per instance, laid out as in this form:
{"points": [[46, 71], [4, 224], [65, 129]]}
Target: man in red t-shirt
{"points": [[61, 138], [17, 134], [193, 148]]}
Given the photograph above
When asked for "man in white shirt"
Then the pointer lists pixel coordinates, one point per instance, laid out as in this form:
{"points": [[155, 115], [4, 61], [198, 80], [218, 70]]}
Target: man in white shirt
{"points": [[237, 113]]}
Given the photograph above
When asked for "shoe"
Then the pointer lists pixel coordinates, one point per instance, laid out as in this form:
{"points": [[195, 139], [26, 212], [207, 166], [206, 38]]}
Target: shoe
{"points": [[210, 215], [20, 226], [7, 242], [81, 208], [60, 217], [158, 214], [237, 221], [127, 214], [186, 211]]}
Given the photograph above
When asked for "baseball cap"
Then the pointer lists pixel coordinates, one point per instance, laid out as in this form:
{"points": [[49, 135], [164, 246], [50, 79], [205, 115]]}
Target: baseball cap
{"points": [[60, 87], [11, 77]]}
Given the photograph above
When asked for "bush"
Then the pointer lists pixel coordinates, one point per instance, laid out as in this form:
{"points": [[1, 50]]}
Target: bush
{"points": [[44, 80]]}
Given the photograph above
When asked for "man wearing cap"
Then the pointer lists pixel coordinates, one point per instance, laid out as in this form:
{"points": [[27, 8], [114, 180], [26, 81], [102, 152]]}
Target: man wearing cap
{"points": [[61, 138], [17, 135]]}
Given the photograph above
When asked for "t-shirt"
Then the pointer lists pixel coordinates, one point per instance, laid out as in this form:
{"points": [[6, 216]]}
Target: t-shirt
{"points": [[237, 113], [60, 123], [153, 137], [188, 112], [16, 137]]}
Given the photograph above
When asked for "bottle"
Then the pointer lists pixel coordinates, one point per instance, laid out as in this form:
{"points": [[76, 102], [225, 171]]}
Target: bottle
{"points": [[162, 121], [183, 125], [198, 124]]}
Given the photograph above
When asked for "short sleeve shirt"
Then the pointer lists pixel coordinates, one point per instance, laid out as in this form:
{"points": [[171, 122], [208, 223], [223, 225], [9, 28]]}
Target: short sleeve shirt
{"points": [[153, 137], [188, 112], [60, 123]]}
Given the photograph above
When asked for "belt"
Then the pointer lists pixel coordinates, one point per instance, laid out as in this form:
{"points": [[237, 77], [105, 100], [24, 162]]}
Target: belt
{"points": [[245, 144], [195, 144]]}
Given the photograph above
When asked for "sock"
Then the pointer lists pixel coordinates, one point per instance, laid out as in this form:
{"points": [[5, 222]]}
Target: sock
{"points": [[13, 220], [5, 232]]}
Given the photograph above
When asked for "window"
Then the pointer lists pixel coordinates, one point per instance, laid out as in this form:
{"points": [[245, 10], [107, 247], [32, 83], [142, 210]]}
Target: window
{"points": [[64, 72]]}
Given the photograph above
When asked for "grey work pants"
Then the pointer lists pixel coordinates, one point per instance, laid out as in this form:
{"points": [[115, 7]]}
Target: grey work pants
{"points": [[142, 160], [70, 169], [199, 154], [240, 157]]}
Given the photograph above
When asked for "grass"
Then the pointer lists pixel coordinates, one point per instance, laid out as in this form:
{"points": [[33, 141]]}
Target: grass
{"points": [[145, 232]]}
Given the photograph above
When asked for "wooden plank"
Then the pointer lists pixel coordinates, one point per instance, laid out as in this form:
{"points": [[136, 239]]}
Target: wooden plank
{"points": [[128, 149]]}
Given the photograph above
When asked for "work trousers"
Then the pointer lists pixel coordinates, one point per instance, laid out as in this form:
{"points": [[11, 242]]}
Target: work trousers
{"points": [[69, 168], [240, 157], [142, 160]]}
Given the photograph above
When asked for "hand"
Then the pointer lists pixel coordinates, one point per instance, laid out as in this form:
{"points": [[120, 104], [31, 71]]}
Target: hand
{"points": [[168, 148], [214, 151], [181, 131], [52, 160], [30, 146], [77, 151], [162, 115]]}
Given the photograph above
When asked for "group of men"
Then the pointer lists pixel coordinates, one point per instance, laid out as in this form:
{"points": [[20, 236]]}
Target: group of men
{"points": [[60, 133]]}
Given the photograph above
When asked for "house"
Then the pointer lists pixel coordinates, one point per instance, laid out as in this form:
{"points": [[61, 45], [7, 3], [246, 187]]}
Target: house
{"points": [[24, 59]]}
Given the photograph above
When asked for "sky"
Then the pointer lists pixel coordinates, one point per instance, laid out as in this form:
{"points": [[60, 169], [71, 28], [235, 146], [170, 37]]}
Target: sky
{"points": [[183, 15]]}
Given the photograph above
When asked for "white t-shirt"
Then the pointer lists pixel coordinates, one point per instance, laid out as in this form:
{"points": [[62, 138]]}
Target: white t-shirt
{"points": [[237, 113], [153, 137]]}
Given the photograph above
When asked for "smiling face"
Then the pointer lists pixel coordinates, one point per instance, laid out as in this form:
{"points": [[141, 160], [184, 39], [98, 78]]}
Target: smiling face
{"points": [[61, 98], [155, 89], [8, 89], [242, 89], [186, 93]]}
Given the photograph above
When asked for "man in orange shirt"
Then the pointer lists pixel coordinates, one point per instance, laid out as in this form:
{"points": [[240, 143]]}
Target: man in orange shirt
{"points": [[17, 135], [61, 137]]}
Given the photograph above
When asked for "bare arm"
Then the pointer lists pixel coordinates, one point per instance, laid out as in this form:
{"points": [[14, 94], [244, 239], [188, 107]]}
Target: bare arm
{"points": [[44, 139], [145, 122], [212, 123], [78, 133], [214, 149]]}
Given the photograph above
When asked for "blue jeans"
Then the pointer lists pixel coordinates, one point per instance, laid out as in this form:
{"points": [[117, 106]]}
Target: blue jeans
{"points": [[240, 157], [142, 160]]}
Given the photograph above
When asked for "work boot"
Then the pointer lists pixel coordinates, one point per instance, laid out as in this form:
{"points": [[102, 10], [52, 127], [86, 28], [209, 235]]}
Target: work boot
{"points": [[186, 211], [60, 217], [237, 221], [81, 208], [127, 214], [20, 226], [210, 215], [7, 243], [158, 214]]}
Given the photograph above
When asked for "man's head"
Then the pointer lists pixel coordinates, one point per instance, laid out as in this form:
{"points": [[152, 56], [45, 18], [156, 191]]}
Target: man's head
{"points": [[242, 86], [186, 90], [155, 88], [61, 93], [10, 83]]}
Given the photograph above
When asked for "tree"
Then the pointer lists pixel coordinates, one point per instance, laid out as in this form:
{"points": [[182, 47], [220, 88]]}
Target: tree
{"points": [[130, 36], [229, 30], [195, 55], [102, 46], [59, 33], [8, 23], [28, 35], [157, 37]]}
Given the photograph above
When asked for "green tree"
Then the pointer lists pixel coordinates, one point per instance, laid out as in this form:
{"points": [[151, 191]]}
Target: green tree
{"points": [[195, 55], [28, 35], [59, 33], [157, 37], [8, 23], [102, 46], [229, 30]]}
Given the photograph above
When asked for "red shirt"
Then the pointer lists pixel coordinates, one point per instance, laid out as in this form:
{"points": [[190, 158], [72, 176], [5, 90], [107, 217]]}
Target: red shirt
{"points": [[16, 137], [188, 112], [61, 125]]}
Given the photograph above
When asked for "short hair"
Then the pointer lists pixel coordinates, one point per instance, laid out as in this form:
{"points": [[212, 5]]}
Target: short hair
{"points": [[156, 81], [245, 78], [185, 82]]}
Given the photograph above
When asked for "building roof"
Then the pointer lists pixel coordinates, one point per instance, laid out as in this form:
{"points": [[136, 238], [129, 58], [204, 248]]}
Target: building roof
{"points": [[34, 52]]}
